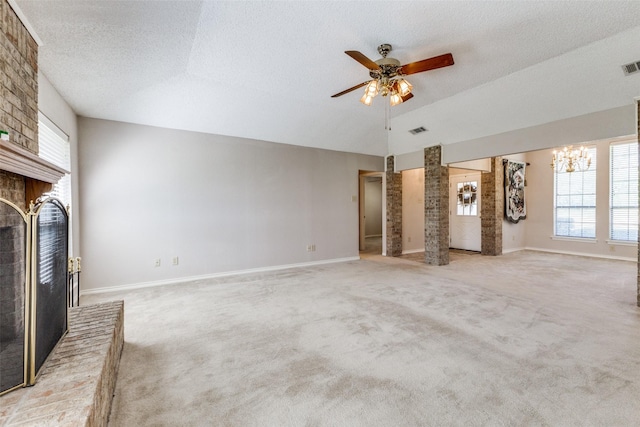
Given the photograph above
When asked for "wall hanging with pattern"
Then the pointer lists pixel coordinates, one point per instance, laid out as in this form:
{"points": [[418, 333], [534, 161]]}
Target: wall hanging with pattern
{"points": [[515, 208]]}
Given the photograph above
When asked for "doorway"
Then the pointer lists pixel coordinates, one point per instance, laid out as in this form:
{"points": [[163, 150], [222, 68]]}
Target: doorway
{"points": [[371, 213], [465, 229]]}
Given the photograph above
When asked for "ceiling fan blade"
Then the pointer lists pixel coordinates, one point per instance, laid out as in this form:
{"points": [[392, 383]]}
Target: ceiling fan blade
{"points": [[407, 97], [351, 89], [362, 59], [428, 64]]}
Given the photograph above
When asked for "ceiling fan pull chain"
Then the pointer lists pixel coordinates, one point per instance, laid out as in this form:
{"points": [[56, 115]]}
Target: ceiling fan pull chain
{"points": [[387, 116]]}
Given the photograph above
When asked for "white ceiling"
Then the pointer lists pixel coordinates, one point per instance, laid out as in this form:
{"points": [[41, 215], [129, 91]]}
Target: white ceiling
{"points": [[266, 70]]}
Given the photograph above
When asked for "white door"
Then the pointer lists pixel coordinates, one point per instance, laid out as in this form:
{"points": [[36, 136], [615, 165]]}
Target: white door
{"points": [[464, 212]]}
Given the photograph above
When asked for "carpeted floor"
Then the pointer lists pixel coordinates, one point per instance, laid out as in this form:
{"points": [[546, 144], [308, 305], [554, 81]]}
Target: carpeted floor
{"points": [[522, 339]]}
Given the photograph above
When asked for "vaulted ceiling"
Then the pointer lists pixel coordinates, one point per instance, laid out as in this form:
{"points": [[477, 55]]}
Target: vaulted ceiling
{"points": [[266, 69]]}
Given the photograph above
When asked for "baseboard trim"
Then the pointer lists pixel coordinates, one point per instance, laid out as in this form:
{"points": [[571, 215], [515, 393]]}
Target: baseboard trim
{"points": [[508, 251], [618, 258], [412, 251], [212, 276]]}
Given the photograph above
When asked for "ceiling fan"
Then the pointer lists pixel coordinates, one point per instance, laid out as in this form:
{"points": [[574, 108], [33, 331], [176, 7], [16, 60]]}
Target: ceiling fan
{"points": [[387, 75]]}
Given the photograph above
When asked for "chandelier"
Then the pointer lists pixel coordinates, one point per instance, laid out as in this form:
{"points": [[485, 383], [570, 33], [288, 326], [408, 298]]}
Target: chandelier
{"points": [[568, 159]]}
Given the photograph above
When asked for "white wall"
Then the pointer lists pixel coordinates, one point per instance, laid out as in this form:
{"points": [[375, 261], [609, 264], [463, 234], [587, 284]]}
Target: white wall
{"points": [[590, 127], [413, 210], [539, 222], [219, 203], [52, 105], [373, 206]]}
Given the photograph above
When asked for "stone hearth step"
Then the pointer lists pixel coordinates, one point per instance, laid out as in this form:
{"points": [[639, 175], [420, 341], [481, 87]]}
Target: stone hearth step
{"points": [[76, 383]]}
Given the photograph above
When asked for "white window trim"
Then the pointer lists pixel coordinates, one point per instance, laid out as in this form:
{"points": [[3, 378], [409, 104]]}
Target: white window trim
{"points": [[621, 243], [575, 239], [52, 126], [629, 139]]}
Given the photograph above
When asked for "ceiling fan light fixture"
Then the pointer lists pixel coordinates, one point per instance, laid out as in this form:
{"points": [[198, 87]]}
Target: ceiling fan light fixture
{"points": [[395, 99], [366, 99], [372, 88], [404, 87]]}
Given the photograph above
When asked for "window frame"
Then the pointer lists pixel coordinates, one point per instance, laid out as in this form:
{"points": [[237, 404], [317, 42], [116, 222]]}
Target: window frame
{"points": [[60, 160], [632, 194], [592, 183]]}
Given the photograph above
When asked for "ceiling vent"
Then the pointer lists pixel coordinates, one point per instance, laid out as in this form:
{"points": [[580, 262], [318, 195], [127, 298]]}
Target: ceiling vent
{"points": [[632, 68], [417, 130]]}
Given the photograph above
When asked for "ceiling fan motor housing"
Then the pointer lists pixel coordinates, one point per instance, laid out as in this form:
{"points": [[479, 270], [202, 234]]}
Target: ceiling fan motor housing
{"points": [[389, 67]]}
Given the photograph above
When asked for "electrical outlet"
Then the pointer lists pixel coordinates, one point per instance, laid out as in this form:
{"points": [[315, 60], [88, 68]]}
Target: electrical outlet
{"points": [[175, 260], [157, 262], [409, 239]]}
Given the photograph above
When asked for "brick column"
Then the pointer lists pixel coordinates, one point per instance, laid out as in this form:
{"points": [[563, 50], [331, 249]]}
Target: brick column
{"points": [[394, 210], [436, 208], [492, 208]]}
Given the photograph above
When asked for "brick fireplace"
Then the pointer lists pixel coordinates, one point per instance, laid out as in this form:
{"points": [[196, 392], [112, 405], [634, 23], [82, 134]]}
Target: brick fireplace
{"points": [[24, 177], [76, 384], [19, 99]]}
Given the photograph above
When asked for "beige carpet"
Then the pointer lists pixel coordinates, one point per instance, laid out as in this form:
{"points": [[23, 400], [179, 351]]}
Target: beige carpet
{"points": [[514, 340]]}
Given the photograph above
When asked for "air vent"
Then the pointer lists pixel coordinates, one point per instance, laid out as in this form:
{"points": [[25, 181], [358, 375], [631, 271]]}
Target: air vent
{"points": [[417, 130], [632, 68]]}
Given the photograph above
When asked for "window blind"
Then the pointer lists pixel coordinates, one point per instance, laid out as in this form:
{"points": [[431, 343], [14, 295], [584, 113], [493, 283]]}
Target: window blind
{"points": [[623, 191], [575, 201], [53, 146]]}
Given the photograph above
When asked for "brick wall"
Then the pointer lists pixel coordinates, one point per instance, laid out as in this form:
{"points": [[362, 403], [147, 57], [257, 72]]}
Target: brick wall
{"points": [[492, 207], [19, 94], [12, 188], [18, 116], [12, 296], [436, 208], [394, 210]]}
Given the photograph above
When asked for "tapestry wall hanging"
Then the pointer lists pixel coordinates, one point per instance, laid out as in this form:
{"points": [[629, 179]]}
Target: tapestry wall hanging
{"points": [[515, 208]]}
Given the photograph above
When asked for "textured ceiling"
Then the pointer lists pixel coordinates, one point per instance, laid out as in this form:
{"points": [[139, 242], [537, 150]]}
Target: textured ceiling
{"points": [[266, 70]]}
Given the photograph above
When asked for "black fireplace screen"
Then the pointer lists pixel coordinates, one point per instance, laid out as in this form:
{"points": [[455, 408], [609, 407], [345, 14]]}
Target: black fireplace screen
{"points": [[51, 282], [13, 238], [33, 288]]}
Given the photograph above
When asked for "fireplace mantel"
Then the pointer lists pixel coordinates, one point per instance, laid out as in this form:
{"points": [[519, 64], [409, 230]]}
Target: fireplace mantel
{"points": [[16, 159], [39, 174]]}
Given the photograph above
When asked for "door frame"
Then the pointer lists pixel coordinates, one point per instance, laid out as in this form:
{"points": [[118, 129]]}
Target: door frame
{"points": [[468, 175], [362, 176]]}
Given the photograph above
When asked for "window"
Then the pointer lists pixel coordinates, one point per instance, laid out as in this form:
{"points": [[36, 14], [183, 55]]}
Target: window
{"points": [[623, 192], [575, 201], [467, 198], [53, 146]]}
